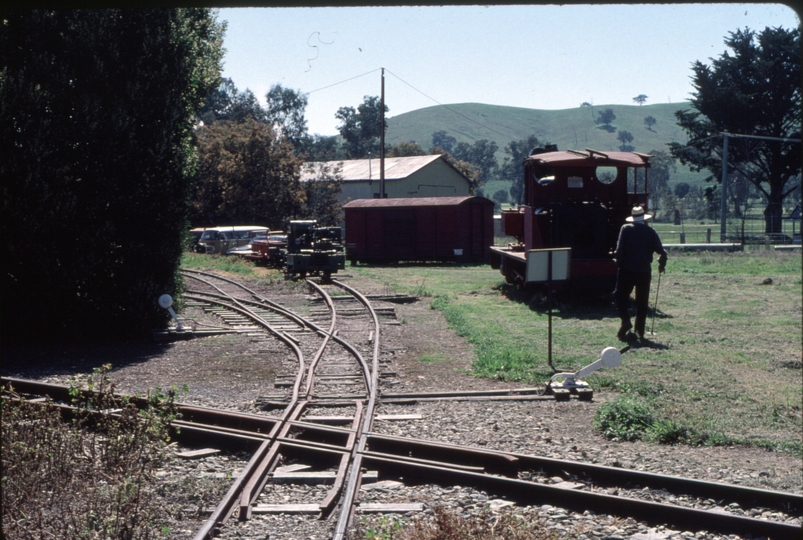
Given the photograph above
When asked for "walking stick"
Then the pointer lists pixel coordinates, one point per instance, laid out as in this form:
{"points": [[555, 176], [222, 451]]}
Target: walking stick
{"points": [[655, 307]]}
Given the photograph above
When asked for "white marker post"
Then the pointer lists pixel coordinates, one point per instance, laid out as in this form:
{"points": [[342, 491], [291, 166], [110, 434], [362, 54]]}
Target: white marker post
{"points": [[166, 302]]}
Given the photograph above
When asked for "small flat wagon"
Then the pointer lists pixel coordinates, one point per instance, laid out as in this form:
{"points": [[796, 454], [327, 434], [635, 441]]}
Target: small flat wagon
{"points": [[423, 229]]}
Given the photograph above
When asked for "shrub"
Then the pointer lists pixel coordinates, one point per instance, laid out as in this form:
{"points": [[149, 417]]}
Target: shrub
{"points": [[92, 477]]}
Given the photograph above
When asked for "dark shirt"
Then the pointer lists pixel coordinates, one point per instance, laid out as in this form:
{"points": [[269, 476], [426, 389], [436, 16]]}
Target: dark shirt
{"points": [[637, 243]]}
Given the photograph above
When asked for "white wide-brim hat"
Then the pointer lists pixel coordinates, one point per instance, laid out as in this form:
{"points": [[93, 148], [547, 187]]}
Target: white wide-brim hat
{"points": [[638, 213]]}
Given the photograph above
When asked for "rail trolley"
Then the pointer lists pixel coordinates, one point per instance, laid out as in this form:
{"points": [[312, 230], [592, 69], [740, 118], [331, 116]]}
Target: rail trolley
{"points": [[314, 250], [572, 199]]}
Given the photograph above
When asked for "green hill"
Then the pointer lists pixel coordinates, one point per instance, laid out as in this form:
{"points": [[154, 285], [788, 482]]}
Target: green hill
{"points": [[568, 128]]}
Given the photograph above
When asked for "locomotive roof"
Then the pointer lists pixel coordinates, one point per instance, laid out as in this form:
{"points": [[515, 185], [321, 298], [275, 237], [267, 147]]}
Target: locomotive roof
{"points": [[591, 158]]}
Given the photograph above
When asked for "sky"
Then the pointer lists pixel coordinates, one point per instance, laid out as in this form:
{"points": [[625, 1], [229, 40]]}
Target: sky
{"points": [[533, 56]]}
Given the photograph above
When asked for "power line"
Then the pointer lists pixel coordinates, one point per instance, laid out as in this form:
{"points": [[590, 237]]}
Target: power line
{"points": [[450, 109], [343, 81], [485, 126]]}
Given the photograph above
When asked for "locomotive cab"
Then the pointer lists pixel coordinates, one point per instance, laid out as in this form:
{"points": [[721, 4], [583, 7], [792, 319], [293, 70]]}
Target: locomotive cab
{"points": [[578, 200]]}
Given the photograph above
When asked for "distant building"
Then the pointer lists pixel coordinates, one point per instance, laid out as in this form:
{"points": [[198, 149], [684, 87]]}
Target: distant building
{"points": [[414, 176]]}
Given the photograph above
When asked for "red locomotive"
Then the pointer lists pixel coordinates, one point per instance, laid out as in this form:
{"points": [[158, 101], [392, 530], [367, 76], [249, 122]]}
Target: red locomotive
{"points": [[578, 200]]}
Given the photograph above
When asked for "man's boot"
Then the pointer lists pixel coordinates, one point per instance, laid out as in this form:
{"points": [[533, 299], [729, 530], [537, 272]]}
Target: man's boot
{"points": [[623, 330]]}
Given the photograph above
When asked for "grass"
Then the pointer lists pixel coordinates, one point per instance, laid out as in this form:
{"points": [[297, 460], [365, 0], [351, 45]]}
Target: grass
{"points": [[724, 366]]}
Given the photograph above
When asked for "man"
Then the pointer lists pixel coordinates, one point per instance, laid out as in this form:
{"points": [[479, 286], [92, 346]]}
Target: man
{"points": [[634, 250]]}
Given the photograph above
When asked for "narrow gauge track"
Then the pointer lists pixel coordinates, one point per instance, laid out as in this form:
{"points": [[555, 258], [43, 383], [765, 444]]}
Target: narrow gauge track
{"points": [[509, 475], [246, 489]]}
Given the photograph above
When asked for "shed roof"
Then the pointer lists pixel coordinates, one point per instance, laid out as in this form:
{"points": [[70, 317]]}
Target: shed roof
{"points": [[591, 158], [412, 201], [352, 170]]}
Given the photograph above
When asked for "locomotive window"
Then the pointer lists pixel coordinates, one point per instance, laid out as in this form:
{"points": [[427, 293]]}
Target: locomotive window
{"points": [[606, 175]]}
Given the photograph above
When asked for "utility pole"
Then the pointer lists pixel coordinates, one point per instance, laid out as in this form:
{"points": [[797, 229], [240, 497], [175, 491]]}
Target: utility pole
{"points": [[382, 194], [723, 206]]}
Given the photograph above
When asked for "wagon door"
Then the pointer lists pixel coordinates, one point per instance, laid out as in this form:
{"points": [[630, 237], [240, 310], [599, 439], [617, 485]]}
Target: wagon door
{"points": [[400, 232]]}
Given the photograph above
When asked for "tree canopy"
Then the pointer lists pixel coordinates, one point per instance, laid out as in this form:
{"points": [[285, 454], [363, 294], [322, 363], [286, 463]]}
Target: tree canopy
{"points": [[752, 90], [97, 109], [360, 128], [247, 174]]}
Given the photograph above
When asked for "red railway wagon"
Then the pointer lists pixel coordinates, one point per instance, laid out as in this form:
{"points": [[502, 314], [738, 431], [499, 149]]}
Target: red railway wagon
{"points": [[423, 229], [578, 200]]}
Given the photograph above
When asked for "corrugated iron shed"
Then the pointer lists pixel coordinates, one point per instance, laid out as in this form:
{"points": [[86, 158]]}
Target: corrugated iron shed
{"points": [[354, 170]]}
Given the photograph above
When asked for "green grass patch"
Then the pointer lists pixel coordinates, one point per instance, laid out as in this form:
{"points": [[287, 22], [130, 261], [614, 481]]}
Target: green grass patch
{"points": [[723, 366]]}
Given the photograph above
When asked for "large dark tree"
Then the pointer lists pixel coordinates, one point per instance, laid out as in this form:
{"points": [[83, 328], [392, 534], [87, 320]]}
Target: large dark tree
{"points": [[96, 124], [360, 128], [755, 90], [513, 165], [482, 155]]}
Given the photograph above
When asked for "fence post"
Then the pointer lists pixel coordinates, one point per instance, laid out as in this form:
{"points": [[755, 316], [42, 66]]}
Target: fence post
{"points": [[708, 236], [683, 238]]}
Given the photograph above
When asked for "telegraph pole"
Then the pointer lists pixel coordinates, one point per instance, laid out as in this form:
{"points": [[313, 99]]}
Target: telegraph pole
{"points": [[723, 206], [382, 140]]}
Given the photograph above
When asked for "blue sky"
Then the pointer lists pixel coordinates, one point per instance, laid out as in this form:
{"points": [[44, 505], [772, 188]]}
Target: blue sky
{"points": [[534, 56]]}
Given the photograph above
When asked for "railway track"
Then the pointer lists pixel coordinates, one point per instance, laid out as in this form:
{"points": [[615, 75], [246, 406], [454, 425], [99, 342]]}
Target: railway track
{"points": [[348, 365], [345, 443]]}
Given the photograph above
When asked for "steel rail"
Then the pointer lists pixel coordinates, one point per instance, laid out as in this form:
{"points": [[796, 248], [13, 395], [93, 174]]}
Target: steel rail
{"points": [[404, 461], [301, 321], [505, 463], [259, 463], [267, 458], [524, 492], [352, 489]]}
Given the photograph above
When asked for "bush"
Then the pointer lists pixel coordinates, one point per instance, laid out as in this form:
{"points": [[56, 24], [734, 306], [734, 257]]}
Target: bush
{"points": [[627, 418], [89, 478]]}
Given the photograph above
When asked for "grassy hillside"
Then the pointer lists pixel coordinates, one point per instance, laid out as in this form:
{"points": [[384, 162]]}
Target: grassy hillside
{"points": [[568, 128]]}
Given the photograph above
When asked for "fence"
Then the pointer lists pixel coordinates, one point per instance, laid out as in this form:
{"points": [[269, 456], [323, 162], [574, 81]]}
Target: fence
{"points": [[747, 231]]}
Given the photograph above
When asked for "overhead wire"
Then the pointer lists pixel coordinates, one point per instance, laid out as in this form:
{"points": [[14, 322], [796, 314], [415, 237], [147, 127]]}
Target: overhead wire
{"points": [[447, 107]]}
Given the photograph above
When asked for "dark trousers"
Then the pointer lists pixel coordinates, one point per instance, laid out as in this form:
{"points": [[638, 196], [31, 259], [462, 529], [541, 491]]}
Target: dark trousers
{"points": [[626, 281]]}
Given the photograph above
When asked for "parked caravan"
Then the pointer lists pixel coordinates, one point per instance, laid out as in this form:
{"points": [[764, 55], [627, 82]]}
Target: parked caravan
{"points": [[219, 240]]}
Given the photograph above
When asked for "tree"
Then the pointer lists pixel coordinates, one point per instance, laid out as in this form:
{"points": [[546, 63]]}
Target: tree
{"points": [[97, 109], [360, 128], [248, 174], [585, 104], [662, 165], [625, 137], [471, 172], [640, 99], [605, 118], [320, 192], [482, 155], [228, 103], [649, 121], [322, 148], [501, 196], [682, 189], [513, 165], [441, 139], [406, 148], [754, 91], [285, 111]]}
